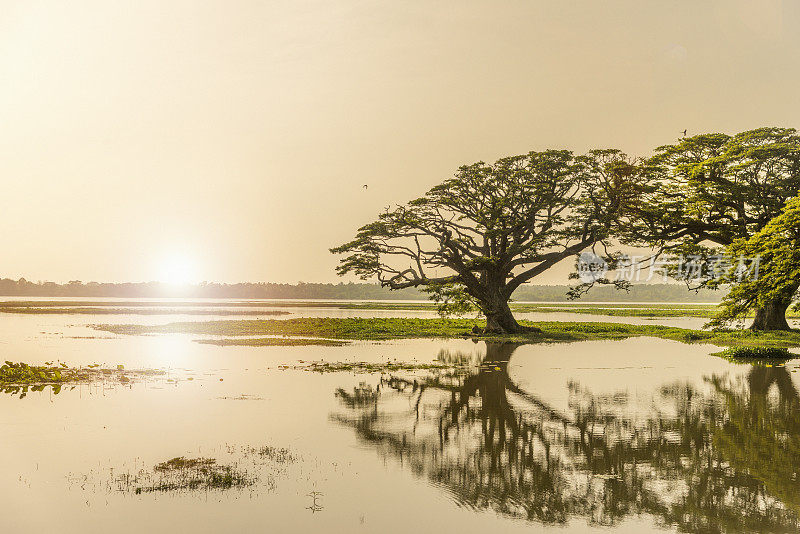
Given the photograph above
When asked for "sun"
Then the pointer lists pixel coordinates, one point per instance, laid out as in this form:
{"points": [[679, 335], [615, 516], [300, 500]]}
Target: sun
{"points": [[178, 270]]}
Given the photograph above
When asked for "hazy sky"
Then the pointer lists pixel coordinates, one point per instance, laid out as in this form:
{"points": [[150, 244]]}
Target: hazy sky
{"points": [[230, 140]]}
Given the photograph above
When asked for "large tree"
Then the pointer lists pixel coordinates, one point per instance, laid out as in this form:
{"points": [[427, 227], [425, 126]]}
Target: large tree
{"points": [[708, 191], [773, 287], [493, 227]]}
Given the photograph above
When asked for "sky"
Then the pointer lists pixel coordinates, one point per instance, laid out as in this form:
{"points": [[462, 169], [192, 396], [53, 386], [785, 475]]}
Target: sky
{"points": [[230, 140]]}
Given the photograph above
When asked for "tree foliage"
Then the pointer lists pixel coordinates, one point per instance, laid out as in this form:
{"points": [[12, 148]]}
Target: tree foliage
{"points": [[777, 247], [493, 227], [451, 299], [711, 191], [715, 188]]}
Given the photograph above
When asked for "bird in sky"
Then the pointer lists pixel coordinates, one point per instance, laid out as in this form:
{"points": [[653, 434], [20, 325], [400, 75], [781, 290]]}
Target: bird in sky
{"points": [[684, 133], [366, 186]]}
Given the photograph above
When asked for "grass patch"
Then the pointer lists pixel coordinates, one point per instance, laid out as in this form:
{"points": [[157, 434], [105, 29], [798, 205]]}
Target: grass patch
{"points": [[756, 355], [324, 327], [402, 328]]}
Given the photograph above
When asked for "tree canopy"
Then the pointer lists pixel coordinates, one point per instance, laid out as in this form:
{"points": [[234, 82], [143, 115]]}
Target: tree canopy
{"points": [[493, 227], [477, 237], [777, 247], [712, 190], [716, 188]]}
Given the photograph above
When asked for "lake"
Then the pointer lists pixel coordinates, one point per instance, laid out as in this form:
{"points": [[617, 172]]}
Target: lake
{"points": [[642, 434]]}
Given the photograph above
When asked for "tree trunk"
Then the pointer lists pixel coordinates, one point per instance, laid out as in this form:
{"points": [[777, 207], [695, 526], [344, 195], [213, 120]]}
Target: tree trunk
{"points": [[493, 302], [772, 316], [500, 320]]}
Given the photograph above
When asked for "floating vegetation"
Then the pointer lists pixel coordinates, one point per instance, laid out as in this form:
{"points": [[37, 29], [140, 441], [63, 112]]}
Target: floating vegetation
{"points": [[370, 367], [22, 373], [188, 474], [22, 378], [242, 397], [273, 342], [277, 455], [757, 355], [245, 467]]}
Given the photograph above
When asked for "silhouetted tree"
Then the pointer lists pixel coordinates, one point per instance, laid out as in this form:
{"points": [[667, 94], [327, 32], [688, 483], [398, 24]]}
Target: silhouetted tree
{"points": [[492, 228]]}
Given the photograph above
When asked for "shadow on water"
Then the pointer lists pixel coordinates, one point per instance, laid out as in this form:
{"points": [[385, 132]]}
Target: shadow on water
{"points": [[719, 458]]}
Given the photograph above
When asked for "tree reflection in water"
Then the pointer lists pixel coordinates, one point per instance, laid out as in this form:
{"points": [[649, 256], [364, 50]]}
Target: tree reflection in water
{"points": [[717, 459]]}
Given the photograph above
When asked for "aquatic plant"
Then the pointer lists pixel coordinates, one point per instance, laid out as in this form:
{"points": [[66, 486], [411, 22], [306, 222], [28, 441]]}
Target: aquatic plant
{"points": [[22, 373], [757, 355], [249, 466], [21, 378], [182, 473], [369, 367]]}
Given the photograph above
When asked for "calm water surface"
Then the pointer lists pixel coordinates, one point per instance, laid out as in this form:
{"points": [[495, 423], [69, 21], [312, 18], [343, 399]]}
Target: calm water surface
{"points": [[642, 435]]}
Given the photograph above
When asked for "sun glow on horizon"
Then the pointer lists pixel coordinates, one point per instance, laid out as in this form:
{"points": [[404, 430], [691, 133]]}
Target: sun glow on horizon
{"points": [[178, 269]]}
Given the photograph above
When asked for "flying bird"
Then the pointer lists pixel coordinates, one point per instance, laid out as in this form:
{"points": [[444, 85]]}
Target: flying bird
{"points": [[366, 186], [684, 133]]}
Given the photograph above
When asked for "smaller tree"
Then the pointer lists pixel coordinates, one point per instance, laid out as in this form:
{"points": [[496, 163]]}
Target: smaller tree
{"points": [[771, 290], [709, 191], [477, 237]]}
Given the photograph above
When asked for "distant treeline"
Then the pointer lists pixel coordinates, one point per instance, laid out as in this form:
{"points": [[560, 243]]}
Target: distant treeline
{"points": [[636, 293], [362, 291]]}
